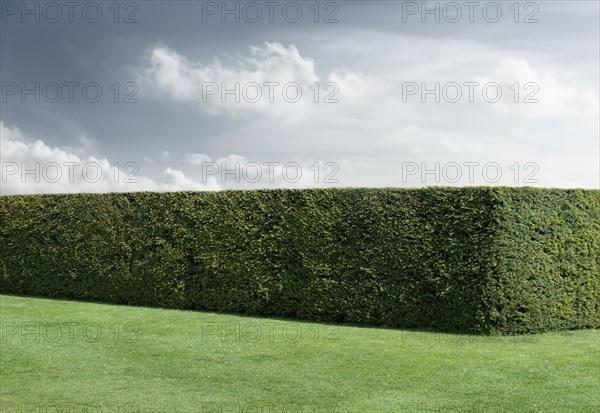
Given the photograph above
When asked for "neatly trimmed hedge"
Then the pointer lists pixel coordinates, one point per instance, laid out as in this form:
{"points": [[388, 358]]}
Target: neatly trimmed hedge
{"points": [[479, 259], [546, 273]]}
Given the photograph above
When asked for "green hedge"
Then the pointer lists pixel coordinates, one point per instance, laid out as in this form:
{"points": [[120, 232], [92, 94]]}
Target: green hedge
{"points": [[479, 259]]}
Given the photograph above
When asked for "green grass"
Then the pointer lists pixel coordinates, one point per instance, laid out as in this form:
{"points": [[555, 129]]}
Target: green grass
{"points": [[153, 360]]}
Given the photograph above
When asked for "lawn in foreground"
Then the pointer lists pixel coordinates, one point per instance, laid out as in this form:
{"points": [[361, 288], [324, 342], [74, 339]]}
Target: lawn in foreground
{"points": [[65, 354]]}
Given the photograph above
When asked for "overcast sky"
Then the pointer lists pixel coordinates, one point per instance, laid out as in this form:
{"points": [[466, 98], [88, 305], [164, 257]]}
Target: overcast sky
{"points": [[344, 93]]}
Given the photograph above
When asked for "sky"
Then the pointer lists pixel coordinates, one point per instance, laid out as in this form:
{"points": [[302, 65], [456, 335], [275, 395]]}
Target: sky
{"points": [[99, 96]]}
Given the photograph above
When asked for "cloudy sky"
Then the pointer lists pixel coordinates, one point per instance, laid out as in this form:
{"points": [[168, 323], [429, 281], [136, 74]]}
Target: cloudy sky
{"points": [[178, 95]]}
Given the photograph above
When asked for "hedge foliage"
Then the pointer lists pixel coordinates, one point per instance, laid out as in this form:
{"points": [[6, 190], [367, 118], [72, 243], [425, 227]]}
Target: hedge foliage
{"points": [[478, 259]]}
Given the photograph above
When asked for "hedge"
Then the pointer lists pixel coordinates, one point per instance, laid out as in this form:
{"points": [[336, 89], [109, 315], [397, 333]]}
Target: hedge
{"points": [[477, 259]]}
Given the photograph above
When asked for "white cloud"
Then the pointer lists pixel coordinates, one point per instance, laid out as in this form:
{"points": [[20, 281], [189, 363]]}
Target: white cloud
{"points": [[30, 167], [371, 131], [353, 85], [164, 156], [175, 180], [196, 159], [538, 93], [85, 145], [236, 171], [278, 70]]}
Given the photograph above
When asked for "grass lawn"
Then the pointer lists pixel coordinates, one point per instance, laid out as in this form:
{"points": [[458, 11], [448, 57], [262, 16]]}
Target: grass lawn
{"points": [[59, 355]]}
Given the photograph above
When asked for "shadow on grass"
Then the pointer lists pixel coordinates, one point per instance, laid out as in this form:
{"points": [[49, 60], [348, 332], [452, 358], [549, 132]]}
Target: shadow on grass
{"points": [[438, 333]]}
